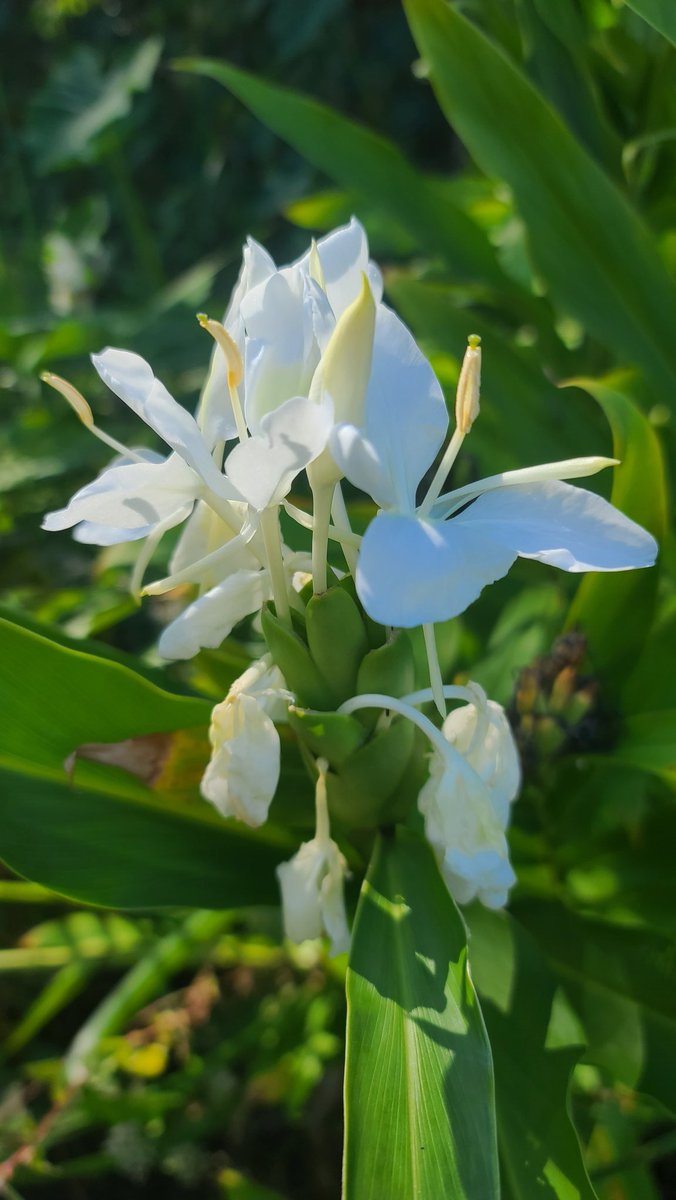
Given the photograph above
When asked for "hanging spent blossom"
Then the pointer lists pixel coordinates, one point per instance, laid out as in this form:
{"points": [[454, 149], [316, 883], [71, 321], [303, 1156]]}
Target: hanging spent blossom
{"points": [[466, 800], [242, 774], [312, 882]]}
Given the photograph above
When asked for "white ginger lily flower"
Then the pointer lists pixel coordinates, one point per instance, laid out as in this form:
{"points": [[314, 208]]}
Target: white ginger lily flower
{"points": [[233, 583], [215, 412], [262, 468], [452, 547], [142, 496], [242, 775], [290, 317], [312, 883], [474, 777]]}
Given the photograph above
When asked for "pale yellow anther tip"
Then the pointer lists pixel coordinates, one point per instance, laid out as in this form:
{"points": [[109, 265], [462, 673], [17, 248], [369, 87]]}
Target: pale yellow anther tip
{"points": [[76, 400], [469, 386], [232, 355]]}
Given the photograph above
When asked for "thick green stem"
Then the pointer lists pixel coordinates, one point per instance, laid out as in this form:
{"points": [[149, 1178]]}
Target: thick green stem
{"points": [[322, 497], [273, 549]]}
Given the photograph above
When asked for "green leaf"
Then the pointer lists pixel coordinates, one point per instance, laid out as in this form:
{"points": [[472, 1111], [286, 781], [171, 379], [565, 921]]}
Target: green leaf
{"points": [[592, 249], [80, 102], [648, 741], [661, 14], [419, 1080], [512, 382], [105, 837], [365, 163], [621, 983], [616, 611], [539, 1150]]}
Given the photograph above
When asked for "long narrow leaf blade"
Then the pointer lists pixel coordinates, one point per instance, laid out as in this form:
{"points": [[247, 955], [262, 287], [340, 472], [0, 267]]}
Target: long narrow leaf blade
{"points": [[661, 14], [592, 249], [365, 163], [105, 837], [419, 1079]]}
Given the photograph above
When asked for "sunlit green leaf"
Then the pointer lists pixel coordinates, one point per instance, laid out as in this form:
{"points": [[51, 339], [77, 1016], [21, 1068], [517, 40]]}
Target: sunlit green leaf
{"points": [[539, 1150], [615, 611], [590, 246], [105, 837], [659, 13], [621, 982], [365, 163], [80, 102], [419, 1080]]}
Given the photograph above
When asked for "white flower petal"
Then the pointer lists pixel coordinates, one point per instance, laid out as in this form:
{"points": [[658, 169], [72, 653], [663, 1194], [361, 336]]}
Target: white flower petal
{"points": [[90, 534], [312, 894], [406, 417], [263, 468], [242, 775], [131, 378], [486, 876], [215, 416], [562, 525], [344, 257], [483, 735], [462, 824], [208, 620], [358, 458], [299, 880], [134, 496], [413, 572]]}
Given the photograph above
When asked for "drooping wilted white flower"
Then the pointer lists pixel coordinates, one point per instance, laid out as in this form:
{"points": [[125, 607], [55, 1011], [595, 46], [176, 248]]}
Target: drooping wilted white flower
{"points": [[312, 883], [242, 774], [474, 776]]}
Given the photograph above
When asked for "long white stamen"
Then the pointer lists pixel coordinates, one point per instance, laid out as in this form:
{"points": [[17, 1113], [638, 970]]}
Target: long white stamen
{"points": [[83, 411], [434, 669], [466, 413], [195, 572], [336, 535], [441, 473], [322, 497], [147, 550], [269, 524], [452, 691], [568, 468], [235, 368], [344, 530], [376, 700], [323, 825]]}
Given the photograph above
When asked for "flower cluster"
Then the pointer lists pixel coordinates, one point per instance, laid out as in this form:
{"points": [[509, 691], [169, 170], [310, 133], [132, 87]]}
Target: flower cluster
{"points": [[311, 372]]}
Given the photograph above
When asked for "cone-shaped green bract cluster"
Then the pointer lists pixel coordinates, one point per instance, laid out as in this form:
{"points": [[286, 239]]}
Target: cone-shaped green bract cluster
{"points": [[332, 652]]}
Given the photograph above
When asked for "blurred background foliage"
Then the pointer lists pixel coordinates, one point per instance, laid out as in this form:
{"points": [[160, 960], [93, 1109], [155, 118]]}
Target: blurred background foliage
{"points": [[214, 1055]]}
